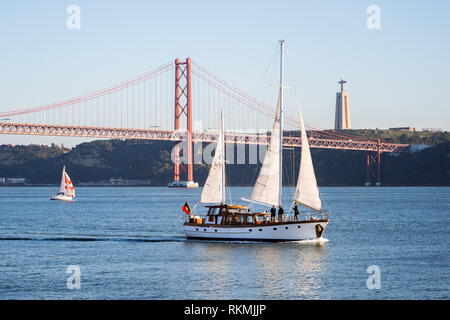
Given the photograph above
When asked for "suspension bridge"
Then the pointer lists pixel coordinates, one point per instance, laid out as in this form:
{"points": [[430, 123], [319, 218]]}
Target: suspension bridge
{"points": [[179, 101]]}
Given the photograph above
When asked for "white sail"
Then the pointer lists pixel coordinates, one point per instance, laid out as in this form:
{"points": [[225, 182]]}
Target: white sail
{"points": [[267, 188], [307, 192], [62, 186], [213, 190]]}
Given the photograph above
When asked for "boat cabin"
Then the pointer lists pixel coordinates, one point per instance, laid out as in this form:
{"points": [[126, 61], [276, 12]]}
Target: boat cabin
{"points": [[231, 215]]}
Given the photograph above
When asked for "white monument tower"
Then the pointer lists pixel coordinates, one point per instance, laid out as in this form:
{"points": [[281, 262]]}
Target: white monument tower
{"points": [[342, 118]]}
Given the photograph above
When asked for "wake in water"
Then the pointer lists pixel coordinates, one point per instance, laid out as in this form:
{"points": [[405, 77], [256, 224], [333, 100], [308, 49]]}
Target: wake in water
{"points": [[138, 238], [131, 238], [313, 241]]}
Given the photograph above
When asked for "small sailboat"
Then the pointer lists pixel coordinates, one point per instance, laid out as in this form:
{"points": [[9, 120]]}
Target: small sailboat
{"points": [[66, 190], [236, 222]]}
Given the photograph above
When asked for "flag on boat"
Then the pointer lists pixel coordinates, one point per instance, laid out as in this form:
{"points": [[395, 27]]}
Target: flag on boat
{"points": [[187, 209]]}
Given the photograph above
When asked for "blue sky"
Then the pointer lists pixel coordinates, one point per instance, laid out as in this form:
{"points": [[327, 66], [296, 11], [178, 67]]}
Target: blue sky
{"points": [[397, 76]]}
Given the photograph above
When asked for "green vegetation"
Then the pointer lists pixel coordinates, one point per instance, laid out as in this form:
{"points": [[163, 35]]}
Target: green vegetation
{"points": [[141, 160], [406, 137]]}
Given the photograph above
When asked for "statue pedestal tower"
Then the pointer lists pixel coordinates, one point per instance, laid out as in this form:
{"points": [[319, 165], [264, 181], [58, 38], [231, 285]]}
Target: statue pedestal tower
{"points": [[342, 117]]}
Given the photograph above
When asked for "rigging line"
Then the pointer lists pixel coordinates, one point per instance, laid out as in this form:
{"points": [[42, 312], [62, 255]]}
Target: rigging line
{"points": [[143, 111], [290, 120], [163, 101], [228, 93], [269, 67], [296, 96], [243, 96], [233, 89]]}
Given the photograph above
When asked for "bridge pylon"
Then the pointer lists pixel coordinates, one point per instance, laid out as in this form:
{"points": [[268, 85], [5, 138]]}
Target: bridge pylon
{"points": [[183, 108], [373, 166]]}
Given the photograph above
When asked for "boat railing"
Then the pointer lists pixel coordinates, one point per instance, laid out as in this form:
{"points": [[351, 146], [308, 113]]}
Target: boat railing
{"points": [[303, 216]]}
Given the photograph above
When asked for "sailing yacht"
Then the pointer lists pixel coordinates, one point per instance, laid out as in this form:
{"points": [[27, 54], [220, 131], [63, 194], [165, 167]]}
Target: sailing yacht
{"points": [[236, 222], [66, 190]]}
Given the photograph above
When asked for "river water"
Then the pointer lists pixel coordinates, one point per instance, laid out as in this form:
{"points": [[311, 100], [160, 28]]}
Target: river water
{"points": [[128, 243]]}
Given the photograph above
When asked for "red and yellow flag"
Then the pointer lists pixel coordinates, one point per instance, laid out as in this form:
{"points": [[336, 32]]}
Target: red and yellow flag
{"points": [[187, 209]]}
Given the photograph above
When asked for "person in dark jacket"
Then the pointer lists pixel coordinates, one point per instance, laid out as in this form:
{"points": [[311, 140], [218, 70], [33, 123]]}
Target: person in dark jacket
{"points": [[272, 213], [280, 214], [296, 212]]}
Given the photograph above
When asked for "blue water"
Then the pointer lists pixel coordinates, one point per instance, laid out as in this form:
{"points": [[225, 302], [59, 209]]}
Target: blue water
{"points": [[129, 244]]}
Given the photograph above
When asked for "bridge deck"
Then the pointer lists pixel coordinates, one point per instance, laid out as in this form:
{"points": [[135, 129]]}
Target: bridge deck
{"points": [[207, 136]]}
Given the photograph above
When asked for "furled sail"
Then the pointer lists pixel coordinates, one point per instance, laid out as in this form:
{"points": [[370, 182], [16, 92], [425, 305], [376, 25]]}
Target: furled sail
{"points": [[307, 192], [213, 189], [266, 189]]}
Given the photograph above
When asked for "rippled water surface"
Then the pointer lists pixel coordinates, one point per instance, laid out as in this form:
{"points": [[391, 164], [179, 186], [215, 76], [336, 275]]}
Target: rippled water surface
{"points": [[129, 244]]}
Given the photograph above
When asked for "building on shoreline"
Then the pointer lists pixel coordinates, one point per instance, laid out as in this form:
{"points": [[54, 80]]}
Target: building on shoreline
{"points": [[407, 129], [116, 182], [12, 181]]}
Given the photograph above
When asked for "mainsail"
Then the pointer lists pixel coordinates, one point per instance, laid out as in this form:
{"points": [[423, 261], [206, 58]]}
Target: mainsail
{"points": [[213, 190], [307, 192], [62, 186], [267, 188]]}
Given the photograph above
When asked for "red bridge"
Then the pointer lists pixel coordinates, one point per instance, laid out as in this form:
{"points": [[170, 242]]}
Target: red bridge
{"points": [[145, 107]]}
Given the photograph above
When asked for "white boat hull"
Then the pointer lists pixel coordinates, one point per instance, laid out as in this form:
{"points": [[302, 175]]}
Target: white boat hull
{"points": [[293, 231], [62, 198]]}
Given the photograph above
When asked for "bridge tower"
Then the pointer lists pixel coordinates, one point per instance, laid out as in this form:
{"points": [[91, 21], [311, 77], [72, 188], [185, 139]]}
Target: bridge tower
{"points": [[183, 108], [373, 166]]}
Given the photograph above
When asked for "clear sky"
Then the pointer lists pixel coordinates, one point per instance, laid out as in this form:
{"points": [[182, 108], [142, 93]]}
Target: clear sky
{"points": [[397, 75]]}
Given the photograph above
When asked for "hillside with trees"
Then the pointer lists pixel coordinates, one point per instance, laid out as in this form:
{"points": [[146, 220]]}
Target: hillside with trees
{"points": [[142, 160]]}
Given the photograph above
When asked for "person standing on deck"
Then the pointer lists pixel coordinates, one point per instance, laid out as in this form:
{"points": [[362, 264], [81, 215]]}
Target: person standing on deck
{"points": [[296, 212], [272, 213], [280, 214]]}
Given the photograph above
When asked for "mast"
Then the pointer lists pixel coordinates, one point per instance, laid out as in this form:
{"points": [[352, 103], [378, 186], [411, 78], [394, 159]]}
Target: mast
{"points": [[223, 155], [281, 122]]}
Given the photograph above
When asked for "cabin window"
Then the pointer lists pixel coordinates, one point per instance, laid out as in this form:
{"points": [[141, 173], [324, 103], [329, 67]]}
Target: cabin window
{"points": [[228, 219], [213, 211], [250, 219], [261, 218]]}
